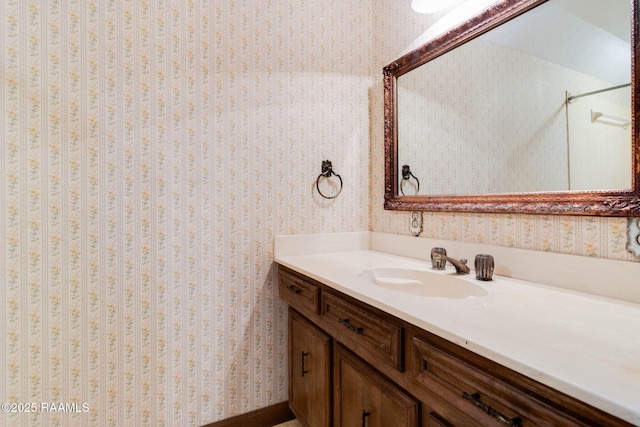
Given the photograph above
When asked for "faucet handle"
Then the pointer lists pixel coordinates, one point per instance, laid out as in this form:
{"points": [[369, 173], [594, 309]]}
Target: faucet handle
{"points": [[484, 267], [438, 258]]}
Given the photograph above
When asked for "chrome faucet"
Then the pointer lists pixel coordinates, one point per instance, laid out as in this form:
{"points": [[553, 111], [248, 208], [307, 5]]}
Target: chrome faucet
{"points": [[460, 264]]}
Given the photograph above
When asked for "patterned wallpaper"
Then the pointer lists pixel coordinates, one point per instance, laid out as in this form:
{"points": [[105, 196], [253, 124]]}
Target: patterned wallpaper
{"points": [[398, 30], [149, 153]]}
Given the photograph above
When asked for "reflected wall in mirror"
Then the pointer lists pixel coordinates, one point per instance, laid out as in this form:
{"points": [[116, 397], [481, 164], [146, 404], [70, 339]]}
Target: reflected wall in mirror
{"points": [[533, 116]]}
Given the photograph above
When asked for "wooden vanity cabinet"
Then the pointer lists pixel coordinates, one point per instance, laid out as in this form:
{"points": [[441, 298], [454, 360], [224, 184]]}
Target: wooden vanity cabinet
{"points": [[354, 365]]}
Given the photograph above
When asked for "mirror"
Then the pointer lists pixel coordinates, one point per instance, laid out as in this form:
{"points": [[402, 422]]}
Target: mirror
{"points": [[508, 112]]}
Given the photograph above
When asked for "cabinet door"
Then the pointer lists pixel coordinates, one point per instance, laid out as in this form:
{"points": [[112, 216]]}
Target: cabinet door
{"points": [[309, 372], [364, 398]]}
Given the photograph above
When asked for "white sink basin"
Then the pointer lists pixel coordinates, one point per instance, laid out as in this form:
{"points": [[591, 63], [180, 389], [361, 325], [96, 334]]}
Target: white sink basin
{"points": [[424, 283]]}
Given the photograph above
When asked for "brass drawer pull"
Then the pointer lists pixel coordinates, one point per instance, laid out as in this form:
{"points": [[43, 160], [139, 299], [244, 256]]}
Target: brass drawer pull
{"points": [[347, 324], [475, 399], [294, 289]]}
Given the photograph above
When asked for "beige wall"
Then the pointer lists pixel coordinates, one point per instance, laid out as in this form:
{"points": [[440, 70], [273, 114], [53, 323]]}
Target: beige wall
{"points": [[397, 30], [149, 153]]}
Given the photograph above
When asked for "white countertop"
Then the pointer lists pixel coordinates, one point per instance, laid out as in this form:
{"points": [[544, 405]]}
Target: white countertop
{"points": [[584, 345]]}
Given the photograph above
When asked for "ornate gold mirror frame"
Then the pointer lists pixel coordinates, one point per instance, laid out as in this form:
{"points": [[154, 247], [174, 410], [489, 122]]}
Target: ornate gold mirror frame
{"points": [[621, 203]]}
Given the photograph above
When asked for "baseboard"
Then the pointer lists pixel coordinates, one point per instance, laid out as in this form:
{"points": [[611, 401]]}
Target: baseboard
{"points": [[264, 417]]}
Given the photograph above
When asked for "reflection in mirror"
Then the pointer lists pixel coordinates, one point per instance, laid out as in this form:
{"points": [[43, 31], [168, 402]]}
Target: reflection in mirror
{"points": [[406, 181], [492, 116]]}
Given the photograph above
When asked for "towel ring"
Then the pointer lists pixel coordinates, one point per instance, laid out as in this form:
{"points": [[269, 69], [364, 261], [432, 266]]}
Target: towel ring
{"points": [[406, 176], [326, 172]]}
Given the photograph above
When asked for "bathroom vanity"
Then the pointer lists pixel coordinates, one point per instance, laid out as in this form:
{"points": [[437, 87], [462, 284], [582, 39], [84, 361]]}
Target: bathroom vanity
{"points": [[366, 351]]}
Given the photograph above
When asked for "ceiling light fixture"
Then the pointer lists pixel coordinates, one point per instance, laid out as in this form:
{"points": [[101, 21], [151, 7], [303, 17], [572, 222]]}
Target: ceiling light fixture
{"points": [[431, 6]]}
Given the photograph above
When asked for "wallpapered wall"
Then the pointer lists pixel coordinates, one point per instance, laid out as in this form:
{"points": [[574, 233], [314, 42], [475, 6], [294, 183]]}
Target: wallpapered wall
{"points": [[150, 151], [397, 30]]}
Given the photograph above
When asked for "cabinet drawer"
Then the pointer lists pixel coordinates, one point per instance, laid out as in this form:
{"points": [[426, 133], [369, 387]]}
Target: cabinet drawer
{"points": [[493, 394], [299, 293], [364, 330]]}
